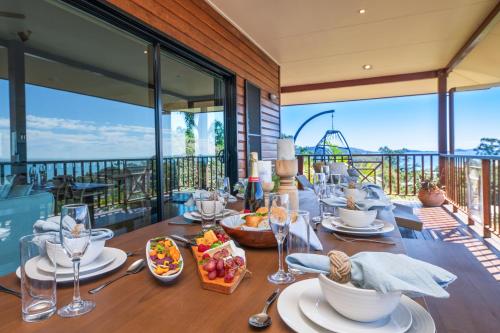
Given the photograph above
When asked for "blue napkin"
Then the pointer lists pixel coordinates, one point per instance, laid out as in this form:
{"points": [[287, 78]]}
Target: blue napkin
{"points": [[384, 272]]}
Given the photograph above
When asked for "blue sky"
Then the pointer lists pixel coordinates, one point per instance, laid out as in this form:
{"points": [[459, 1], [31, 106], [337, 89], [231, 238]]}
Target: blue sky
{"points": [[64, 125], [403, 122]]}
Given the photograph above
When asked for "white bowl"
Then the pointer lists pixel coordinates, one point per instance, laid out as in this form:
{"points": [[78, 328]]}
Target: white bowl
{"points": [[98, 239], [357, 218], [355, 193], [163, 278], [358, 304]]}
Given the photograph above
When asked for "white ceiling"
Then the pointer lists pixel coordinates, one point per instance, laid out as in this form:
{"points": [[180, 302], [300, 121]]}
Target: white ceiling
{"points": [[328, 40]]}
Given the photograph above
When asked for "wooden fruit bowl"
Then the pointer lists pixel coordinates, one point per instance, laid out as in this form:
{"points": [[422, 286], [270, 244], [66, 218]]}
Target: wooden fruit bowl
{"points": [[250, 238]]}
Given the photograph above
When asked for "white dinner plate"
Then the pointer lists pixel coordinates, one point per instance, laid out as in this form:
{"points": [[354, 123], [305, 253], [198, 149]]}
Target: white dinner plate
{"points": [[105, 258], [327, 224], [33, 272], [315, 307], [195, 216], [376, 225], [289, 311]]}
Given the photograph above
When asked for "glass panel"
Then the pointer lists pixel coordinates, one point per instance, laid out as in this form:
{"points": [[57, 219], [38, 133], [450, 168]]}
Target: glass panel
{"points": [[193, 129], [89, 123]]}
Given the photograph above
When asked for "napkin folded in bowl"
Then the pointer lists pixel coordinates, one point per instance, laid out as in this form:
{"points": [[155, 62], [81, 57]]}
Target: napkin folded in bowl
{"points": [[383, 206], [298, 229], [52, 224], [384, 272]]}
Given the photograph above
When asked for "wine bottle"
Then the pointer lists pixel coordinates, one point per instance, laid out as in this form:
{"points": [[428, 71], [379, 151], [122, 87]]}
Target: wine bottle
{"points": [[254, 195]]}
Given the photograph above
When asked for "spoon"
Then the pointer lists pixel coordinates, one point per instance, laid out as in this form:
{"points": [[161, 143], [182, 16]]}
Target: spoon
{"points": [[261, 320], [135, 268]]}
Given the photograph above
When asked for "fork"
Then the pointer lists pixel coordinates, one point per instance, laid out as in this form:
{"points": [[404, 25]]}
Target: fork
{"points": [[350, 240]]}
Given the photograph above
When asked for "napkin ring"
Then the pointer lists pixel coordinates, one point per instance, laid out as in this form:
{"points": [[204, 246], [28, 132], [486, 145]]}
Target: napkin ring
{"points": [[340, 266]]}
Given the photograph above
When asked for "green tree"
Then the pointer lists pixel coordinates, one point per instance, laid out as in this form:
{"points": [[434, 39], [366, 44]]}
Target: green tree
{"points": [[488, 146], [219, 136], [189, 133]]}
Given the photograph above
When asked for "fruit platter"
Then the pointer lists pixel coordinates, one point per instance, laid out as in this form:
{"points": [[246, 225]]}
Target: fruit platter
{"points": [[251, 230], [221, 265], [164, 259]]}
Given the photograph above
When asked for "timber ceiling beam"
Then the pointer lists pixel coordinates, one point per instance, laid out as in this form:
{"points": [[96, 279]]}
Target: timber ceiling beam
{"points": [[483, 29], [361, 82]]}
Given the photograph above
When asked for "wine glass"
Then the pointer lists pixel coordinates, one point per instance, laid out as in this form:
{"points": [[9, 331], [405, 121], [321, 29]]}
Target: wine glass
{"points": [[319, 185], [279, 220], [75, 235]]}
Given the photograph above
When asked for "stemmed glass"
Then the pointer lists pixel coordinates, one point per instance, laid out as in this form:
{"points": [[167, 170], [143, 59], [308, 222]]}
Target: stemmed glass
{"points": [[279, 220], [224, 190], [75, 235], [319, 189]]}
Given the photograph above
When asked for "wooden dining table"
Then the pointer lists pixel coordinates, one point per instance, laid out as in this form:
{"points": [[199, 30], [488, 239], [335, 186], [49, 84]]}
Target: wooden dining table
{"points": [[140, 303]]}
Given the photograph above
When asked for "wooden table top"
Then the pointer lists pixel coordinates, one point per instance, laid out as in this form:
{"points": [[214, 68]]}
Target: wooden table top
{"points": [[140, 303]]}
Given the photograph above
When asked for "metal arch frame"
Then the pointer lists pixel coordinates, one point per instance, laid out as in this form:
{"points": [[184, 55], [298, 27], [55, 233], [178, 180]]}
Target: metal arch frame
{"points": [[308, 120]]}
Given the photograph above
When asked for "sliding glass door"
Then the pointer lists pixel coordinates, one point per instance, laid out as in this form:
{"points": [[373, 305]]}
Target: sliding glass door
{"points": [[192, 128], [79, 121]]}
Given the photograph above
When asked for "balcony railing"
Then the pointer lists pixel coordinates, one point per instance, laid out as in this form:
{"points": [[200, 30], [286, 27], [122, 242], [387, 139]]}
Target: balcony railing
{"points": [[129, 180], [398, 174], [473, 186]]}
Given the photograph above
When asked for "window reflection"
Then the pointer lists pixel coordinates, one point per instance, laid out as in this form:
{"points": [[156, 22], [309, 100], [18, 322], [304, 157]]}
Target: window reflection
{"points": [[192, 125]]}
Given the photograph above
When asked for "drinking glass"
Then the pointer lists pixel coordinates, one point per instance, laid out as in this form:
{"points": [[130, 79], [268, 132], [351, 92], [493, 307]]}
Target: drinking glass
{"points": [[325, 169], [298, 239], [335, 178], [38, 291], [319, 185], [224, 190], [75, 238], [207, 207], [279, 220]]}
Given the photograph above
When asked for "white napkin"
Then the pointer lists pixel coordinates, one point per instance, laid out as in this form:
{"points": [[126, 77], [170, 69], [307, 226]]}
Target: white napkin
{"points": [[51, 224], [298, 230]]}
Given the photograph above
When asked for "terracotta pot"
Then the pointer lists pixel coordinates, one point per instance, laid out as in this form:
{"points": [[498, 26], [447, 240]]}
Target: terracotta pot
{"points": [[433, 198]]}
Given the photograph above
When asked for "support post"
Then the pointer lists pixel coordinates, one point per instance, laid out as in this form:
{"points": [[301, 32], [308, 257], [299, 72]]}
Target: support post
{"points": [[451, 134], [17, 97], [485, 188], [160, 187], [442, 123]]}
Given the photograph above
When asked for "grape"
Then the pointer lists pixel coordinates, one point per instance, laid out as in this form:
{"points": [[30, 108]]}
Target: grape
{"points": [[221, 273], [220, 264], [210, 266], [212, 275], [230, 262], [239, 261], [229, 277], [225, 252]]}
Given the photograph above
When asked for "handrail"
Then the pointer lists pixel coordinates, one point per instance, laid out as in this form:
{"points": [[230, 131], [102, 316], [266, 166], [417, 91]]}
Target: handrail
{"points": [[478, 157]]}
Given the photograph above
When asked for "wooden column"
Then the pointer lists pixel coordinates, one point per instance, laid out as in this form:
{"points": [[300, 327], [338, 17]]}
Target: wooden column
{"points": [[442, 123], [300, 161], [451, 137], [485, 188]]}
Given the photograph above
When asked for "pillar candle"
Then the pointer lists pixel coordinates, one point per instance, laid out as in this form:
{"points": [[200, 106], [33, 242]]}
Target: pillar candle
{"points": [[265, 171], [286, 149]]}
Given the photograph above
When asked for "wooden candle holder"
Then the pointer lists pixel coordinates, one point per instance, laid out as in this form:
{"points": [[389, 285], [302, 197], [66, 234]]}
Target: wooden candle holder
{"points": [[287, 170], [267, 187]]}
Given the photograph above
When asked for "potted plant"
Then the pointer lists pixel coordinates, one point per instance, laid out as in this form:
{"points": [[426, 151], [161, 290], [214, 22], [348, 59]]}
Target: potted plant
{"points": [[430, 193]]}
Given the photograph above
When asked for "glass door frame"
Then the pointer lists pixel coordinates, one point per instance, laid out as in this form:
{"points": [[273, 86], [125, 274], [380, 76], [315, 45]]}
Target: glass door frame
{"points": [[161, 41]]}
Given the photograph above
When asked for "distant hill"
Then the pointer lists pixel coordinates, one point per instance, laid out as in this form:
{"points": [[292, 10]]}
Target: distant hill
{"points": [[354, 150]]}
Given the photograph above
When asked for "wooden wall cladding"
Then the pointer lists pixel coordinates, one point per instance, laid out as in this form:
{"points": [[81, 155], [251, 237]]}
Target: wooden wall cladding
{"points": [[198, 26]]}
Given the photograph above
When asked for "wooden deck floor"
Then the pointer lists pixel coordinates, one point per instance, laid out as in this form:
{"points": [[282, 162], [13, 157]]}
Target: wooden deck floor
{"points": [[441, 224]]}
